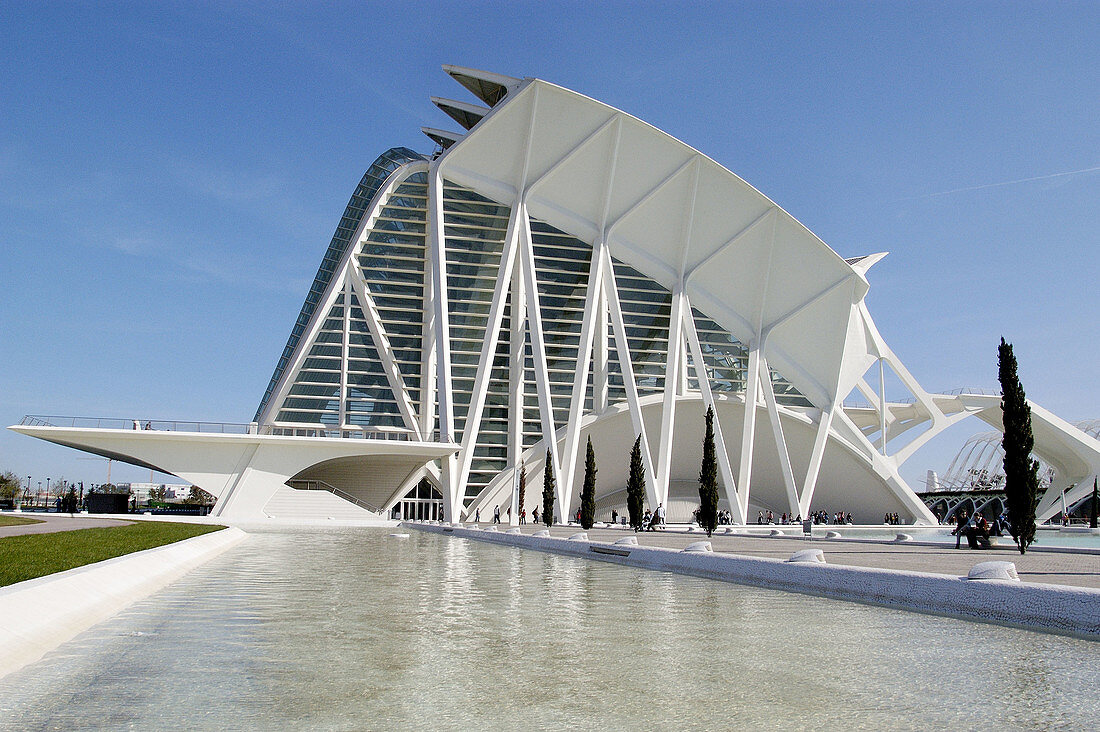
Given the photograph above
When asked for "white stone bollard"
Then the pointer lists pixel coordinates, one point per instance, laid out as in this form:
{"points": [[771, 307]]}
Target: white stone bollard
{"points": [[902, 537], [628, 540], [698, 546], [809, 556], [542, 532], [579, 536], [777, 532], [994, 570], [832, 534]]}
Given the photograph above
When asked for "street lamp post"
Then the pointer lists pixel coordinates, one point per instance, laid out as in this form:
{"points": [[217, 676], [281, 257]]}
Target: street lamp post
{"points": [[47, 503]]}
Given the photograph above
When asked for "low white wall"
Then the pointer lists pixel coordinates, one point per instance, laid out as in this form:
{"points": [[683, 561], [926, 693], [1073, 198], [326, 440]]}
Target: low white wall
{"points": [[41, 614], [1057, 608]]}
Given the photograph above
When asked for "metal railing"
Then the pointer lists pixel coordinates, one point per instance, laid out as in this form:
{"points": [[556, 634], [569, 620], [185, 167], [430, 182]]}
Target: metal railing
{"points": [[972, 390], [320, 485], [235, 428], [117, 423]]}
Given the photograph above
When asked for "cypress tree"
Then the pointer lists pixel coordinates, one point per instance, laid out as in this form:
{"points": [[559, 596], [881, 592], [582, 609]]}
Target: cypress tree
{"points": [[548, 491], [1021, 472], [588, 490], [708, 479], [522, 485], [635, 486], [1095, 504]]}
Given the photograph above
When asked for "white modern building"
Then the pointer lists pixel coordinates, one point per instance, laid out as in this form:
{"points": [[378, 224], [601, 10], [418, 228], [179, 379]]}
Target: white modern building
{"points": [[557, 271]]}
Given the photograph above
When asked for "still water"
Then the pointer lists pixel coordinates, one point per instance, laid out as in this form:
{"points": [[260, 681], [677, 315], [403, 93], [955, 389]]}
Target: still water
{"points": [[352, 629]]}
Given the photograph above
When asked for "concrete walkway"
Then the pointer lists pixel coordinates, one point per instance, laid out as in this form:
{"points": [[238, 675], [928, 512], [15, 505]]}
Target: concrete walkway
{"points": [[1074, 569], [52, 522]]}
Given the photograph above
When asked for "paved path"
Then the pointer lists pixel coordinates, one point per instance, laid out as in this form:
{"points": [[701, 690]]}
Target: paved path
{"points": [[52, 522], [1077, 569]]}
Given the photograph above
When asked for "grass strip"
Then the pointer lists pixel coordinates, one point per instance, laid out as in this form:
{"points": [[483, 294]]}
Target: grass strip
{"points": [[17, 520], [36, 555]]}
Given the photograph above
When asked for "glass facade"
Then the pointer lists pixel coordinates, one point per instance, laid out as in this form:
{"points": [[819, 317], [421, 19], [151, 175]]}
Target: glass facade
{"points": [[372, 180], [342, 383]]}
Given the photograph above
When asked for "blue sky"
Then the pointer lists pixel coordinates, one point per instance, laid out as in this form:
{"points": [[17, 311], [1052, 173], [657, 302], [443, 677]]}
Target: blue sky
{"points": [[171, 174]]}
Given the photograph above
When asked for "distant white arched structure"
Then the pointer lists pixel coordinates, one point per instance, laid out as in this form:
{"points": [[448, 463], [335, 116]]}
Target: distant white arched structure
{"points": [[979, 466], [561, 270]]}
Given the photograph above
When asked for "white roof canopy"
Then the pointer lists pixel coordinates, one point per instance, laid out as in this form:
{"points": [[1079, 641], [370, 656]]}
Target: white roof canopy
{"points": [[675, 215]]}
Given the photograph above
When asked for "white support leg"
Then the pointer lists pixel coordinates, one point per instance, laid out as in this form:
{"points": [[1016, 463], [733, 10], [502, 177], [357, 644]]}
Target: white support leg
{"points": [[725, 470], [748, 432], [592, 304], [345, 347], [516, 365], [673, 361], [428, 347], [599, 360], [780, 440], [538, 348], [815, 459], [381, 339], [489, 348], [622, 350], [882, 404], [452, 491]]}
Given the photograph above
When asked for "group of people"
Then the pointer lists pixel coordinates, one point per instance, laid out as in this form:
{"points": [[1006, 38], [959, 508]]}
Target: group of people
{"points": [[892, 519], [977, 530], [824, 517], [653, 520], [817, 517]]}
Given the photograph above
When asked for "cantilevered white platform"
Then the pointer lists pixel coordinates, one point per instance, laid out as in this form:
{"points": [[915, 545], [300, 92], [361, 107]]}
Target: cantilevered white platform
{"points": [[246, 471]]}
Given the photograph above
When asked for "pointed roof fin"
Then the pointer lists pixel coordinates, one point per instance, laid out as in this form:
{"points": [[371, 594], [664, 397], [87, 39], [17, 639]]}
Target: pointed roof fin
{"points": [[443, 138], [465, 114], [864, 263], [485, 85]]}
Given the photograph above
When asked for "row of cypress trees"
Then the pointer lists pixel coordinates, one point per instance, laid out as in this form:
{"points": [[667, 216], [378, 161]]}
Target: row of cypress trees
{"points": [[635, 484], [1021, 471]]}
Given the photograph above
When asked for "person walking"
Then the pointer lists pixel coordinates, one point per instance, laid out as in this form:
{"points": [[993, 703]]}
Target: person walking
{"points": [[496, 514]]}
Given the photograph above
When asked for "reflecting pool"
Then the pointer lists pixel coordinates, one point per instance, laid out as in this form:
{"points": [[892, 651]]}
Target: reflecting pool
{"points": [[347, 629]]}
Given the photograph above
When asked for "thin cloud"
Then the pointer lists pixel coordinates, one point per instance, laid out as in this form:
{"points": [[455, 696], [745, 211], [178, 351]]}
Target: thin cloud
{"points": [[1004, 183]]}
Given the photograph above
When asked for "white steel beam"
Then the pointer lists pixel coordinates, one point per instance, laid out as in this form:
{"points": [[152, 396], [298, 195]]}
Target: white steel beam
{"points": [[574, 152], [345, 345], [428, 349], [516, 364], [600, 384], [538, 351], [816, 454], [731, 242], [748, 430], [780, 439], [452, 492], [673, 361], [384, 350], [489, 347], [725, 470], [675, 370], [593, 300], [622, 350], [650, 194], [882, 404]]}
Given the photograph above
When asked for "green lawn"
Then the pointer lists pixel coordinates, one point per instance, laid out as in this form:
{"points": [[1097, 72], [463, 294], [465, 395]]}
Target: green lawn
{"points": [[35, 555], [17, 520]]}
